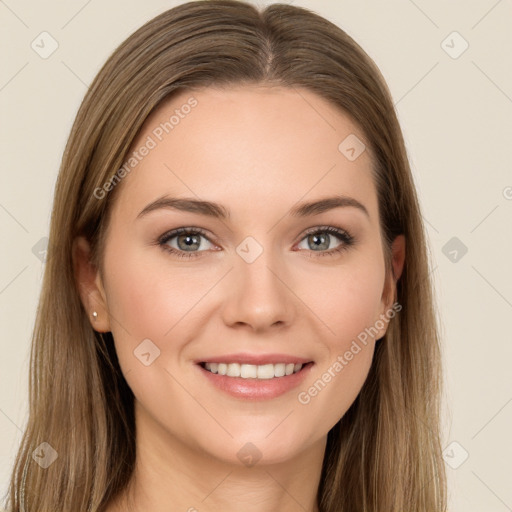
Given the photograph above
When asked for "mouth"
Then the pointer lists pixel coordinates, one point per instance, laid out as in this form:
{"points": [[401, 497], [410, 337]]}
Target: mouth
{"points": [[255, 382], [253, 371]]}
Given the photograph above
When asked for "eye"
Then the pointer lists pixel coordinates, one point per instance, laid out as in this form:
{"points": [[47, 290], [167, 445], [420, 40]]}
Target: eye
{"points": [[184, 242], [320, 238], [188, 242]]}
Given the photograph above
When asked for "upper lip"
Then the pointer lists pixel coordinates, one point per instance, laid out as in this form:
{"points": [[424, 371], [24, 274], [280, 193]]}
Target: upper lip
{"points": [[256, 359]]}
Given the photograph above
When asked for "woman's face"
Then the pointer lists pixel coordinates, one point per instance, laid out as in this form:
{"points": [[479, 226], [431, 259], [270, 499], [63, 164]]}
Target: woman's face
{"points": [[270, 280]]}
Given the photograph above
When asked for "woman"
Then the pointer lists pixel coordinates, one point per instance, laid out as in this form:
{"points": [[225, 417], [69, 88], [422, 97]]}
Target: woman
{"points": [[236, 309]]}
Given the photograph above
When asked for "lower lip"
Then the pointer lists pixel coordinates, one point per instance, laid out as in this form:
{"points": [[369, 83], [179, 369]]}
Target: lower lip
{"points": [[257, 389]]}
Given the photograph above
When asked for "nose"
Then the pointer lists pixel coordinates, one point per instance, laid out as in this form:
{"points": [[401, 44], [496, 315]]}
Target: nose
{"points": [[258, 295]]}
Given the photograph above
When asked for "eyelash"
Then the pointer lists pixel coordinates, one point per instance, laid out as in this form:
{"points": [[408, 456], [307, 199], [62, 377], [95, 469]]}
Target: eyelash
{"points": [[342, 235]]}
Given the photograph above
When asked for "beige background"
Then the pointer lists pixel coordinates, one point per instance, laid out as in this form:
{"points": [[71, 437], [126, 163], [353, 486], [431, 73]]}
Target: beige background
{"points": [[456, 116]]}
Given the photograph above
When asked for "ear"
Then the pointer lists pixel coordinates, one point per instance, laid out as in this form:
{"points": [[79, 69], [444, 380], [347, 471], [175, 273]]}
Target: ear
{"points": [[90, 285], [398, 256], [397, 266]]}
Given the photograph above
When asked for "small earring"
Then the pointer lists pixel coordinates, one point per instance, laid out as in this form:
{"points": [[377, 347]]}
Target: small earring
{"points": [[94, 315]]}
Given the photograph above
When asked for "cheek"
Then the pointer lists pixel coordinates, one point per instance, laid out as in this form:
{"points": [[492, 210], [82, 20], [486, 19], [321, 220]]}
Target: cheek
{"points": [[347, 300], [349, 309], [150, 300], [154, 301], [136, 309]]}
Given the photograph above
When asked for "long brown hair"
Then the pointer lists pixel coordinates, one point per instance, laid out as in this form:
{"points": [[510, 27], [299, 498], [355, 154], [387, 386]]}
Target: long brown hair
{"points": [[384, 455]]}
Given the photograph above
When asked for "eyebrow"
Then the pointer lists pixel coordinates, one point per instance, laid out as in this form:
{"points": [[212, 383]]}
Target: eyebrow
{"points": [[218, 211]]}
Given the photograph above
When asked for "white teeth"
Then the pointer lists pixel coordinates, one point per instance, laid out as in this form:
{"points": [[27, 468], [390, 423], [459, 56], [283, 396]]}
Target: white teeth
{"points": [[266, 371], [248, 371], [233, 370], [251, 371], [279, 370]]}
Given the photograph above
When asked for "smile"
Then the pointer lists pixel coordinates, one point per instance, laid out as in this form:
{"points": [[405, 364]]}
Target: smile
{"points": [[255, 382], [252, 371]]}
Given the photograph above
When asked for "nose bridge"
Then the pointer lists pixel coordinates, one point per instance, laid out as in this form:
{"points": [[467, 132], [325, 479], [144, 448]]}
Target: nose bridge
{"points": [[259, 296]]}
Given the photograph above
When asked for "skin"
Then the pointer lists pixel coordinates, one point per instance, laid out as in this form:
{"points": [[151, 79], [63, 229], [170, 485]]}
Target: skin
{"points": [[257, 150]]}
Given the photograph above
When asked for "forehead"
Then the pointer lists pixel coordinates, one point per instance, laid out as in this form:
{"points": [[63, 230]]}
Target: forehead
{"points": [[248, 147]]}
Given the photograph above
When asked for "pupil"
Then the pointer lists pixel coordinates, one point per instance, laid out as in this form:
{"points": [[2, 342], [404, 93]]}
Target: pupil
{"points": [[318, 238], [189, 240]]}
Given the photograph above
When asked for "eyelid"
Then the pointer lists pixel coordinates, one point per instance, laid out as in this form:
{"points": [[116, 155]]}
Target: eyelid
{"points": [[187, 229], [328, 228]]}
